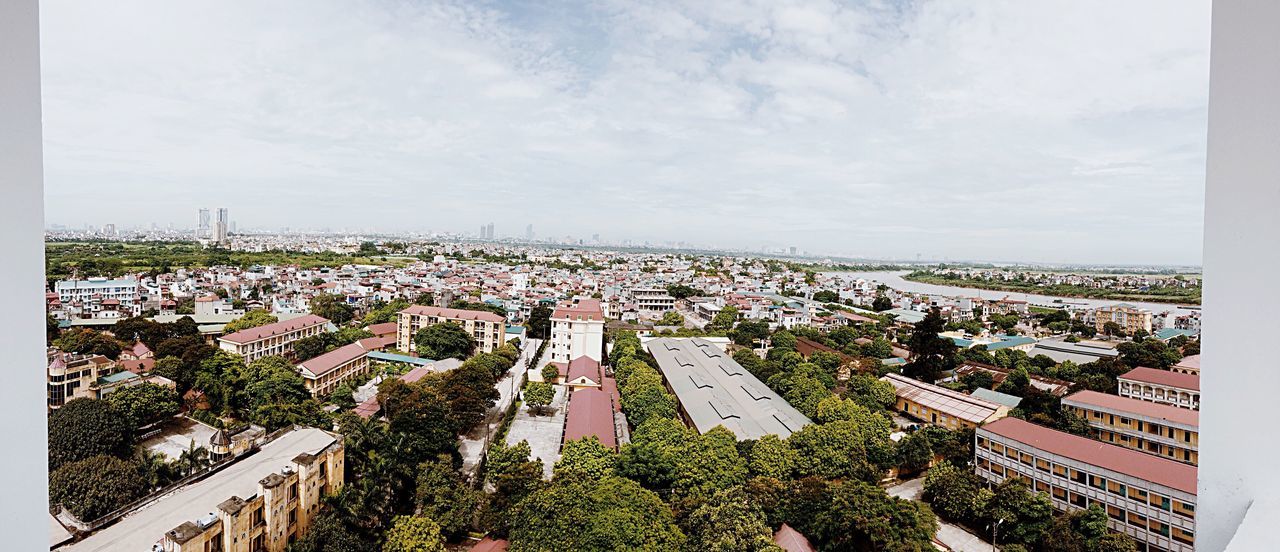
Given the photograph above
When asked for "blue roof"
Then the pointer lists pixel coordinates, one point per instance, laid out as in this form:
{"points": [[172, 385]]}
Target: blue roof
{"points": [[997, 397], [1165, 334], [1007, 341], [515, 329], [392, 357], [893, 361], [962, 342], [117, 377]]}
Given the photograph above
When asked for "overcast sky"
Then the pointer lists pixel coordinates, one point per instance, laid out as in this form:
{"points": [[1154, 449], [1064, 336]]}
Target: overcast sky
{"points": [[1039, 131]]}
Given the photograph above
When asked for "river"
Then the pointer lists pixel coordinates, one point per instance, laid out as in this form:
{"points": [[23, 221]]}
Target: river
{"points": [[895, 280]]}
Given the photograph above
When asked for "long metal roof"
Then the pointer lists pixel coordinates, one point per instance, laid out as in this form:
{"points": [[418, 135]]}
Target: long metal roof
{"points": [[714, 390]]}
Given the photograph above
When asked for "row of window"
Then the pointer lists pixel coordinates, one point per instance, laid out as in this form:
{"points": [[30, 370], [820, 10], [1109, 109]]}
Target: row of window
{"points": [[1154, 429], [1117, 513], [1098, 482]]}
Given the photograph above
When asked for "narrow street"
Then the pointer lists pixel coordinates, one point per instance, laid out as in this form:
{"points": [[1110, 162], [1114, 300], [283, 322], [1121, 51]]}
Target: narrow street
{"points": [[950, 535], [472, 446]]}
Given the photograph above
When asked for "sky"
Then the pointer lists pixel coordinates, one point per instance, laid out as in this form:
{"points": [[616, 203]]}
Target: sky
{"points": [[1005, 130]]}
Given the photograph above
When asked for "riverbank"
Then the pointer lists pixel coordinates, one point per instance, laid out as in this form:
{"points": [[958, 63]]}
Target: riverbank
{"points": [[1178, 296]]}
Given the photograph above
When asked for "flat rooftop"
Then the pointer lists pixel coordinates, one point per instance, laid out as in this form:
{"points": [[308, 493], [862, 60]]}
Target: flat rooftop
{"points": [[714, 390], [146, 526]]}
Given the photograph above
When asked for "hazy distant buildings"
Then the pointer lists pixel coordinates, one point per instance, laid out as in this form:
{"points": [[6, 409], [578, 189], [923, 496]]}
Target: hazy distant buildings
{"points": [[220, 227], [528, 232], [203, 227]]}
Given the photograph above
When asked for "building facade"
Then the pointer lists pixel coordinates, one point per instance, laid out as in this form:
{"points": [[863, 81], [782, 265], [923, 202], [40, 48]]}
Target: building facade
{"points": [[276, 338], [653, 300], [98, 297], [1149, 498], [1158, 429], [577, 330], [325, 372], [1127, 316], [488, 329], [71, 376], [941, 406], [1161, 386]]}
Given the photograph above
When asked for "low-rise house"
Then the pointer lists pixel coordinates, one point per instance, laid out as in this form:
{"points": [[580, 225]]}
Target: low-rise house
{"points": [[941, 406]]}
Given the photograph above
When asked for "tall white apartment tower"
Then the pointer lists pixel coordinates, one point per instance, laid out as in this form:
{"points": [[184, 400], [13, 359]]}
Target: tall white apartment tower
{"points": [[202, 228], [220, 228]]}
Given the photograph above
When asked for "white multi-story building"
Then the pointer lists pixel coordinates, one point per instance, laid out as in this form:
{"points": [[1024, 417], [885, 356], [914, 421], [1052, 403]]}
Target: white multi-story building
{"points": [[653, 300], [577, 329], [97, 296], [275, 339], [1149, 498]]}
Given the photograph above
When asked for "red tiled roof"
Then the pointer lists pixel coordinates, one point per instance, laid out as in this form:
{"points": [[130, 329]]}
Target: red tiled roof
{"points": [[1162, 471], [590, 414], [584, 366], [454, 314], [417, 373], [275, 328], [386, 328], [325, 363], [791, 540], [1163, 377], [368, 408], [490, 545], [377, 343], [610, 386], [1192, 363], [138, 366], [584, 309], [1184, 416]]}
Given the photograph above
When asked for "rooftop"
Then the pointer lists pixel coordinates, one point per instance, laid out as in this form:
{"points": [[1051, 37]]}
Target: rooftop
{"points": [[275, 328], [713, 390], [1161, 471], [453, 314], [583, 309], [146, 526], [952, 403], [327, 362], [1163, 377], [997, 397], [590, 413], [1169, 414]]}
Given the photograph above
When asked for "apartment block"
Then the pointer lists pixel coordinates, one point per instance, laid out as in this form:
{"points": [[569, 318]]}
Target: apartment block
{"points": [[941, 406], [577, 330], [1127, 316], [1149, 498], [653, 300], [488, 329], [100, 297], [325, 372], [275, 339], [260, 503], [1161, 386], [1154, 428]]}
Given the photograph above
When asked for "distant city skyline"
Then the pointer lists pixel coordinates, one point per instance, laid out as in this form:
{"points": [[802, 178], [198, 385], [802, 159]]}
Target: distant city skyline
{"points": [[1024, 131]]}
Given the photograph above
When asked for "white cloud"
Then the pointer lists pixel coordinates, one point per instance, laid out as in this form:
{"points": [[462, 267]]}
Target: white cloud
{"points": [[1069, 131]]}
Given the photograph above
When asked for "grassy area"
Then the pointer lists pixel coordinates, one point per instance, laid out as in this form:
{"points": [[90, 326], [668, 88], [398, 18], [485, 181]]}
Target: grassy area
{"points": [[1188, 296], [113, 259]]}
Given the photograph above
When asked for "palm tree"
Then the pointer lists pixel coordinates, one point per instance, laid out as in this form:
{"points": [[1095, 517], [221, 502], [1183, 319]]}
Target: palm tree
{"points": [[194, 458], [157, 468]]}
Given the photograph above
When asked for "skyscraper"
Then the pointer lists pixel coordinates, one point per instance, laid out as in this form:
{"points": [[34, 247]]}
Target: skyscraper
{"points": [[220, 227], [528, 232], [489, 231], [202, 228]]}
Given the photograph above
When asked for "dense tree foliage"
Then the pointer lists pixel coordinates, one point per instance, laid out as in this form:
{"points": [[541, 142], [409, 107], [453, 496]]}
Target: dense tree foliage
{"points": [[145, 403], [251, 319], [930, 354], [444, 340], [413, 534], [332, 306], [87, 427], [97, 485], [609, 513]]}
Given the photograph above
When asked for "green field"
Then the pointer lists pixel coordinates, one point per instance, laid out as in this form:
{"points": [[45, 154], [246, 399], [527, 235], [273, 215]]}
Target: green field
{"points": [[1187, 296], [114, 259]]}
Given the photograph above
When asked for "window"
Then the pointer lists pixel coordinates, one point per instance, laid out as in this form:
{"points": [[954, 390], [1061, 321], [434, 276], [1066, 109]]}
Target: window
{"points": [[1137, 520], [257, 518]]}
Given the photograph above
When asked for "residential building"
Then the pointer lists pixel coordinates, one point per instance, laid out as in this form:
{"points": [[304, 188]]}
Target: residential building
{"points": [[1128, 317], [276, 338], [323, 373], [1154, 428], [487, 328], [1162, 386], [72, 376], [1188, 365], [212, 305], [653, 300], [714, 390], [1149, 498], [577, 330], [259, 503], [941, 406], [101, 297], [584, 371]]}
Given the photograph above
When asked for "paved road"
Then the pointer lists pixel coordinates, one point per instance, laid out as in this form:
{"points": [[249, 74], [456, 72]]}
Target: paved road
{"points": [[473, 445], [542, 432], [950, 535]]}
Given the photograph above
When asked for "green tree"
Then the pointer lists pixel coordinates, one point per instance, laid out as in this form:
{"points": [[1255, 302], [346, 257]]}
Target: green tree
{"points": [[444, 497], [862, 516], [951, 492], [538, 395], [930, 354], [550, 373], [914, 453], [834, 450], [671, 318], [1026, 515], [681, 291], [88, 342], [772, 457], [586, 457], [444, 340], [145, 403], [708, 463], [95, 486], [413, 534], [332, 306], [582, 513], [881, 304], [539, 323], [86, 427], [724, 319], [328, 533], [729, 522], [251, 319], [747, 332]]}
